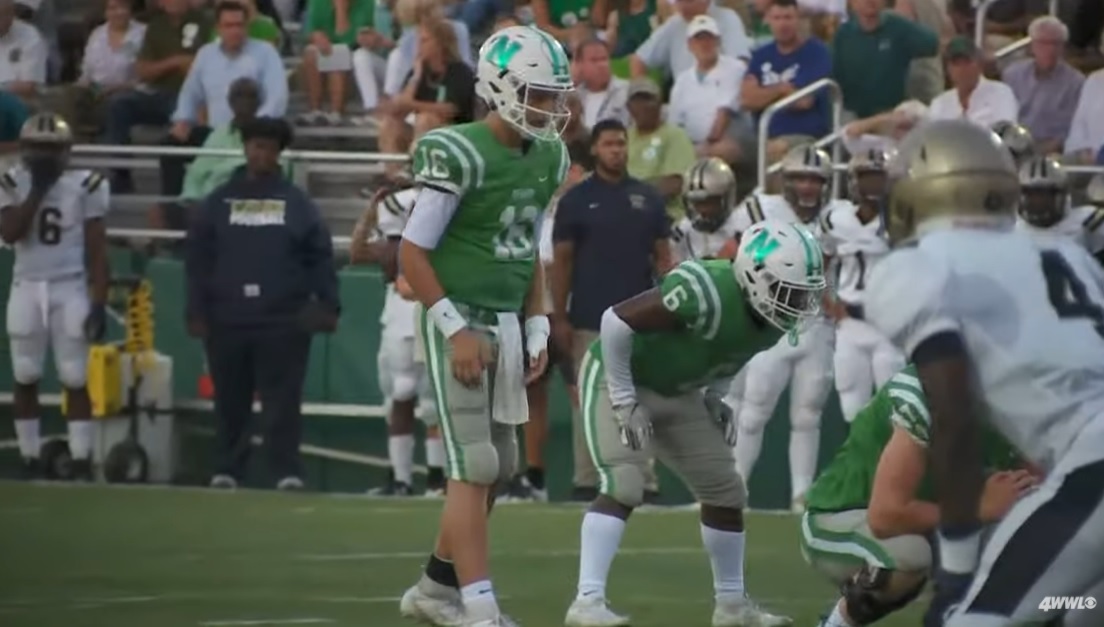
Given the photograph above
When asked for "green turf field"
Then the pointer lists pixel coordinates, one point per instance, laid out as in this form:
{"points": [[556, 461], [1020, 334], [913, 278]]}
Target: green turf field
{"points": [[79, 556]]}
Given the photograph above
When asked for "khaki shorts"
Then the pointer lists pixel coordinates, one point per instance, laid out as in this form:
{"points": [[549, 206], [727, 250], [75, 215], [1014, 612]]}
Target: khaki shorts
{"points": [[838, 544]]}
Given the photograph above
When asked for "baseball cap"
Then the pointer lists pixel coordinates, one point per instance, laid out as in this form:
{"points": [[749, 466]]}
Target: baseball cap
{"points": [[960, 47], [643, 87], [702, 24]]}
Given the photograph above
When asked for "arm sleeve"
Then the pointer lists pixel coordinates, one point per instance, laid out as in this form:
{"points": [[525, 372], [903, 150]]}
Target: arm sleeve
{"points": [[444, 160], [907, 298], [656, 50], [920, 41], [430, 217], [191, 92], [689, 293], [199, 259], [678, 155], [1007, 107], [274, 79], [97, 196], [616, 337], [563, 223], [1080, 137], [734, 39], [319, 261], [393, 211], [909, 408], [661, 219], [34, 63]]}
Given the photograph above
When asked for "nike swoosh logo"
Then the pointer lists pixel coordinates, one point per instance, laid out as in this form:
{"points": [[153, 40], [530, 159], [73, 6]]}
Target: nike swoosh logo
{"points": [[543, 179]]}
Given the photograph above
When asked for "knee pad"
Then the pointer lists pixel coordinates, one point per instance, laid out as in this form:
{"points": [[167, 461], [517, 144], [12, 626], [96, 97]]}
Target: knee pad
{"points": [[73, 373], [26, 370], [804, 418], [504, 438], [404, 386], [624, 484], [480, 463], [869, 595]]}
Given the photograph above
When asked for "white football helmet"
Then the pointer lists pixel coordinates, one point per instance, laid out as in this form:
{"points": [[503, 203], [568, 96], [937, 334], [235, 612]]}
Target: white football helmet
{"points": [[780, 267], [519, 66]]}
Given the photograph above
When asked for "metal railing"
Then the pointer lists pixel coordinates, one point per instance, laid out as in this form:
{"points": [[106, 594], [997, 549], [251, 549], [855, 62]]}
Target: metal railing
{"points": [[983, 12], [339, 241], [809, 90], [317, 156]]}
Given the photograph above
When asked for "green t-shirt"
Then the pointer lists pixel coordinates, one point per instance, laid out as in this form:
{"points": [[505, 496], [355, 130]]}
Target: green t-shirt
{"points": [[848, 481], [486, 257], [320, 18], [165, 38], [667, 151], [720, 334], [633, 29], [568, 13], [262, 28], [207, 172], [13, 113]]}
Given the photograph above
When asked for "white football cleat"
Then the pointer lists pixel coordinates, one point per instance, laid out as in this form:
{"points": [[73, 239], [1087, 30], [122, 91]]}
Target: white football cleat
{"points": [[745, 613], [593, 612], [443, 609]]}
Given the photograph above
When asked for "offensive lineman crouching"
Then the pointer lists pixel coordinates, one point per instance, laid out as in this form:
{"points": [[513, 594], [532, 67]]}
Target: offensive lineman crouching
{"points": [[53, 216]]}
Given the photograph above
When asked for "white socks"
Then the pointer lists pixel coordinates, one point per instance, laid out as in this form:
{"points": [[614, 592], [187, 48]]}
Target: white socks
{"points": [[479, 601], [804, 447], [80, 439], [600, 537], [836, 619], [400, 448], [726, 556], [27, 433], [748, 445], [435, 452]]}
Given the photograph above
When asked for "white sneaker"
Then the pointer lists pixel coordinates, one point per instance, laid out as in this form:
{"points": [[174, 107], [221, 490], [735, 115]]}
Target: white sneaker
{"points": [[444, 610], [290, 484], [434, 493], [223, 482], [502, 621], [797, 506], [745, 613], [593, 611]]}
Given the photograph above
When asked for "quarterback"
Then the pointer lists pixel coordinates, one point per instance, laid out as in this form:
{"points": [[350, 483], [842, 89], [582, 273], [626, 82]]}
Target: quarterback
{"points": [[870, 512], [806, 365], [641, 391], [852, 237], [709, 226], [1002, 326], [402, 378], [54, 218], [469, 254]]}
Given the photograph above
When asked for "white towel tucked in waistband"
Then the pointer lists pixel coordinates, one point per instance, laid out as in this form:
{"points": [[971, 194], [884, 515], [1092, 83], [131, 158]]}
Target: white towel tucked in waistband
{"points": [[509, 405]]}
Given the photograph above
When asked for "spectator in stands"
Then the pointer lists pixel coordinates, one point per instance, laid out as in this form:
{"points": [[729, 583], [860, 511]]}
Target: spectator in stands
{"points": [[1046, 87], [259, 26], [327, 60], [172, 38], [872, 54], [610, 241], [370, 61], [704, 97], [666, 49], [43, 16], [1086, 134], [659, 152], [411, 14], [576, 130], [780, 68], [566, 20], [23, 53], [108, 67], [477, 14], [603, 95], [972, 96], [926, 79], [260, 279], [758, 28], [218, 64], [439, 91], [13, 113], [208, 172], [629, 27], [1005, 21]]}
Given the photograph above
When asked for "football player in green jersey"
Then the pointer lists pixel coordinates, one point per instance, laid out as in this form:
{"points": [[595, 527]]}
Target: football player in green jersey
{"points": [[870, 512], [648, 386], [469, 255]]}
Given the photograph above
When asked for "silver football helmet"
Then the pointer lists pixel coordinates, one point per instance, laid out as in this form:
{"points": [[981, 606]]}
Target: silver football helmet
{"points": [[806, 179], [709, 193], [1044, 192], [867, 180]]}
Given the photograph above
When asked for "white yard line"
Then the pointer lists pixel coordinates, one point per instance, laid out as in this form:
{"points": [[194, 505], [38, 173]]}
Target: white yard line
{"points": [[398, 555], [266, 621]]}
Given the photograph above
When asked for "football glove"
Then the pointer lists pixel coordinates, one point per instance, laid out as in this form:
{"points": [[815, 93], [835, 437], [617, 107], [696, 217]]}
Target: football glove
{"points": [[722, 414], [635, 425], [948, 591], [95, 323]]}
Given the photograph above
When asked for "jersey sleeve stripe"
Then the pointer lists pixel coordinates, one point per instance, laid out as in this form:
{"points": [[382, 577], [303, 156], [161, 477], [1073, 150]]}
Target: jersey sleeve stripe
{"points": [[565, 164], [699, 294], [913, 424], [391, 204], [905, 398], [92, 181], [439, 137], [711, 307], [465, 144], [7, 181], [1093, 222], [755, 210]]}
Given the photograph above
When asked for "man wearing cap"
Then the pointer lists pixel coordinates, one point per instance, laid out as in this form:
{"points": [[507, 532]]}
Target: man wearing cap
{"points": [[261, 279], [705, 96], [666, 47], [972, 96], [659, 152]]}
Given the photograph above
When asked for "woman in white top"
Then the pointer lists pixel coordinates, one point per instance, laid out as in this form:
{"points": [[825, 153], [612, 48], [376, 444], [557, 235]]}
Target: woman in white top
{"points": [[108, 66]]}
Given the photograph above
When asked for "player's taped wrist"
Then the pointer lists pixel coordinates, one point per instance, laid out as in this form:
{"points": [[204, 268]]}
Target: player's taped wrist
{"points": [[959, 550], [537, 331], [445, 315]]}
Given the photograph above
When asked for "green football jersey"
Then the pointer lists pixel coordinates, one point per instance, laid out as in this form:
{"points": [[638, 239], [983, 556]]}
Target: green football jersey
{"points": [[720, 333], [848, 480], [485, 258]]}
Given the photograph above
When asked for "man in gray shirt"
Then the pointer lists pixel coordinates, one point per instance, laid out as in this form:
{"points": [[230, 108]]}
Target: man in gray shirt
{"points": [[666, 49]]}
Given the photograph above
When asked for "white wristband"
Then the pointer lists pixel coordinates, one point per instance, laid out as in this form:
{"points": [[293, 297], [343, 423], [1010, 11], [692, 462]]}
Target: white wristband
{"points": [[446, 317], [960, 555], [537, 330]]}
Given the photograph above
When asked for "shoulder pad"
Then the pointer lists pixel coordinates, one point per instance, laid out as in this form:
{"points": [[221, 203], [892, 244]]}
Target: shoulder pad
{"points": [[8, 181], [825, 219], [1094, 220], [93, 181]]}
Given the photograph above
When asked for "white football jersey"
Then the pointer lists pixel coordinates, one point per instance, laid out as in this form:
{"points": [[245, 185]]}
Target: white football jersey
{"points": [[690, 243], [393, 211], [1081, 224], [1030, 314], [758, 207], [856, 247], [54, 246]]}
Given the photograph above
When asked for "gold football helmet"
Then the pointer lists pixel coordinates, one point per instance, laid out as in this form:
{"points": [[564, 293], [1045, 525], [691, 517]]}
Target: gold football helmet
{"points": [[866, 176], [806, 178], [950, 170], [1095, 190], [709, 193], [1016, 139], [1045, 192]]}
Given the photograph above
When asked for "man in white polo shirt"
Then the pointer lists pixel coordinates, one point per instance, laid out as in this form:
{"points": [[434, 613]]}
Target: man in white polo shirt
{"points": [[705, 96], [972, 96], [22, 54]]}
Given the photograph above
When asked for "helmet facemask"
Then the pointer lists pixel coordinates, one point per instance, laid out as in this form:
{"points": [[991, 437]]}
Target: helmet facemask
{"points": [[869, 186], [807, 193], [792, 305], [537, 111], [44, 155], [1043, 206], [707, 212]]}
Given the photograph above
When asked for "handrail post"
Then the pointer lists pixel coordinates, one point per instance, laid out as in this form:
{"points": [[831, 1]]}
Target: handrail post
{"points": [[768, 114], [979, 22]]}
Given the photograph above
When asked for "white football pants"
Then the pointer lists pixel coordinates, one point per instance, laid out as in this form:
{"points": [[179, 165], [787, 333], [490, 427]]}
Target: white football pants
{"points": [[42, 314], [865, 359]]}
